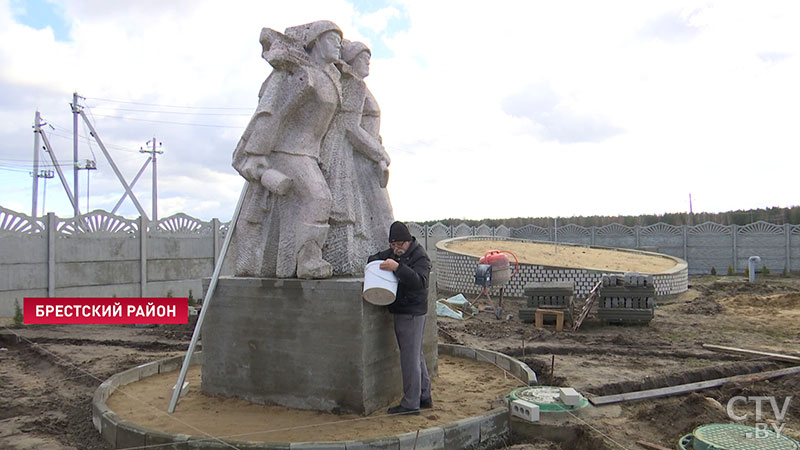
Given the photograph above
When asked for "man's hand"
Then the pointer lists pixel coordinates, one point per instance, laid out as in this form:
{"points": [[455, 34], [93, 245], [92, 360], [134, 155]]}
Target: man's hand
{"points": [[390, 265]]}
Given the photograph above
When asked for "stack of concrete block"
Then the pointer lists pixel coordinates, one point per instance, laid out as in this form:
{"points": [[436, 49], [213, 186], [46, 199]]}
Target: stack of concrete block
{"points": [[550, 295], [638, 279], [628, 298]]}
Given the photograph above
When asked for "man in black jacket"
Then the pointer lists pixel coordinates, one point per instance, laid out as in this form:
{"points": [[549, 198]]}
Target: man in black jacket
{"points": [[410, 263]]}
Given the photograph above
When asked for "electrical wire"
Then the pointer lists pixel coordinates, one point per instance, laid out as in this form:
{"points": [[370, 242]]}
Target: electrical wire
{"points": [[86, 139], [14, 169], [86, 132], [166, 106], [172, 123], [174, 112]]}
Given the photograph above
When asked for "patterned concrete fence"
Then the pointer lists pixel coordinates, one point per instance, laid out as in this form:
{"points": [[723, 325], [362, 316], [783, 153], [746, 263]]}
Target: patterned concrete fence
{"points": [[103, 255], [703, 247]]}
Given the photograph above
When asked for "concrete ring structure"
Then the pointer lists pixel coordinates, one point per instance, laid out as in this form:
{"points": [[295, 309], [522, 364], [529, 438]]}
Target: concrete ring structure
{"points": [[456, 271], [456, 435]]}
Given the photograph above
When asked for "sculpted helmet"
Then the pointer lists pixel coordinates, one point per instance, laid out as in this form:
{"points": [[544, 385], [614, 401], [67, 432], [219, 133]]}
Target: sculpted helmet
{"points": [[307, 33], [352, 49]]}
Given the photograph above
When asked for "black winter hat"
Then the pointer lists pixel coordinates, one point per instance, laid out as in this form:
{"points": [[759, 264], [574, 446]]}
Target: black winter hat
{"points": [[399, 232]]}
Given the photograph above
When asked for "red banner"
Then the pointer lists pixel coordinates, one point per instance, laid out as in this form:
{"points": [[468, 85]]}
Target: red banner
{"points": [[105, 310]]}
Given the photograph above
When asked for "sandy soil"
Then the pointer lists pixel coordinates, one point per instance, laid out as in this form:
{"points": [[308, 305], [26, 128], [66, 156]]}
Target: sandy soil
{"points": [[48, 373], [568, 256], [463, 389]]}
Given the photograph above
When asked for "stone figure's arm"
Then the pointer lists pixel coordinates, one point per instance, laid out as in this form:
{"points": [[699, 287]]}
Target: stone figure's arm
{"points": [[279, 95], [366, 143], [269, 115]]}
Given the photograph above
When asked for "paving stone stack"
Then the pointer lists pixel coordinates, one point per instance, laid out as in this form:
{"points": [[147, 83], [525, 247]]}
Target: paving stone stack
{"points": [[550, 295], [628, 298]]}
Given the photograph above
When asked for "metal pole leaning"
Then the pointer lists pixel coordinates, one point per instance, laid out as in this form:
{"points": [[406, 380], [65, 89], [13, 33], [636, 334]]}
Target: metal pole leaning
{"points": [[133, 183], [176, 391]]}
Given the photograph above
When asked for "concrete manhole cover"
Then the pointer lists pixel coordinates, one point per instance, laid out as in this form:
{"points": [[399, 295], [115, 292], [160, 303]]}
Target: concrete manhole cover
{"points": [[547, 397]]}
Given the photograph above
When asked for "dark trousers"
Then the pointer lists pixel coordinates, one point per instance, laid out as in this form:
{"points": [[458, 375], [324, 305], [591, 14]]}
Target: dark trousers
{"points": [[416, 382]]}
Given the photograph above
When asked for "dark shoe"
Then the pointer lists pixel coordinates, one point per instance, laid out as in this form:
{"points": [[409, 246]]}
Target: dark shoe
{"points": [[400, 409], [426, 404]]}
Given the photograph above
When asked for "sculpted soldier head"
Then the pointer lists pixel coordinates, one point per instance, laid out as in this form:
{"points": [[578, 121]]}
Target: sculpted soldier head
{"points": [[357, 55], [321, 39]]}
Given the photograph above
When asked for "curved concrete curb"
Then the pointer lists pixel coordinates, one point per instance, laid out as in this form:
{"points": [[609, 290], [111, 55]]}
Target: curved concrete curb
{"points": [[456, 435], [456, 271]]}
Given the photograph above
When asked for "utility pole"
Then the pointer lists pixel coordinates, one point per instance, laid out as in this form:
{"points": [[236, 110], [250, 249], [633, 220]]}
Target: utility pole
{"points": [[88, 164], [46, 174], [154, 152], [75, 111], [35, 190]]}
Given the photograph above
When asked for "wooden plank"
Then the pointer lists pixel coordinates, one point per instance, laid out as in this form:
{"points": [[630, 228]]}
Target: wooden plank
{"points": [[691, 387], [743, 351], [587, 306]]}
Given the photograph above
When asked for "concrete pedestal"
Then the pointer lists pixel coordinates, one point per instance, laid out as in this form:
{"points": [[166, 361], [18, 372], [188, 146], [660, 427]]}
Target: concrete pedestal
{"points": [[305, 344]]}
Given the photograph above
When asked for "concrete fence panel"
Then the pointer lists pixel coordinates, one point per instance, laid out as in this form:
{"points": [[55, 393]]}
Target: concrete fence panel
{"points": [[100, 254], [762, 239], [615, 235], [710, 245]]}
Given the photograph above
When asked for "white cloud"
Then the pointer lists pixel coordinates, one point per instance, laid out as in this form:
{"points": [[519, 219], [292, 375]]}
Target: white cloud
{"points": [[378, 21], [501, 109]]}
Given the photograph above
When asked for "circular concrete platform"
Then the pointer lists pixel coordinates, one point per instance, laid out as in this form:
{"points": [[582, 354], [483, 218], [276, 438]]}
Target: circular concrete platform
{"points": [[462, 433], [456, 269]]}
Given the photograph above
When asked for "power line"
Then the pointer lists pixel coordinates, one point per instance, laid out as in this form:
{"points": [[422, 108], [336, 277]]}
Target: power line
{"points": [[172, 123], [174, 112], [166, 106], [86, 139], [14, 169], [26, 166]]}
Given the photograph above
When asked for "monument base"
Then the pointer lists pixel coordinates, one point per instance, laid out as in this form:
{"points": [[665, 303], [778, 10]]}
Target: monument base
{"points": [[304, 344]]}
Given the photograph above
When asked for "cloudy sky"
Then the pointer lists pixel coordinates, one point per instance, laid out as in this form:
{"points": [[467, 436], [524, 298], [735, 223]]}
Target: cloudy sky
{"points": [[489, 109]]}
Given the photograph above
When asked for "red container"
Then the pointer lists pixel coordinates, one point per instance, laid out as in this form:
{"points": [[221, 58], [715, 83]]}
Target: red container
{"points": [[501, 267]]}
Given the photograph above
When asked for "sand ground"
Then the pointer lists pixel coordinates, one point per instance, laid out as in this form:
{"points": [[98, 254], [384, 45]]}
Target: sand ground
{"points": [[49, 373], [568, 256]]}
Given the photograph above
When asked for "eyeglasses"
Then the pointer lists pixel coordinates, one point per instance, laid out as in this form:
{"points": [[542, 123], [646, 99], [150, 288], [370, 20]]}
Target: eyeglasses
{"points": [[394, 244]]}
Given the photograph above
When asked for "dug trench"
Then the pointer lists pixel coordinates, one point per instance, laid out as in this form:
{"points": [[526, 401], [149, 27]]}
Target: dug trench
{"points": [[49, 373], [48, 400], [47, 384]]}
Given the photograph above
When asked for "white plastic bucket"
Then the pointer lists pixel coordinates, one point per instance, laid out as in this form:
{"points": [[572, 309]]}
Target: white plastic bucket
{"points": [[380, 286]]}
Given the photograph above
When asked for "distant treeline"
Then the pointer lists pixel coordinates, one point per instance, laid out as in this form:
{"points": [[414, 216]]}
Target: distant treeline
{"points": [[778, 216]]}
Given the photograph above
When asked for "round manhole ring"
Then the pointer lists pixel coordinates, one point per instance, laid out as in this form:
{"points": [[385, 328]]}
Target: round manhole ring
{"points": [[548, 398], [739, 437]]}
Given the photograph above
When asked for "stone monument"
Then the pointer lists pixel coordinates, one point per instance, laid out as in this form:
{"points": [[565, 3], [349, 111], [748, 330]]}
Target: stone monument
{"points": [[355, 165], [281, 330], [283, 224]]}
